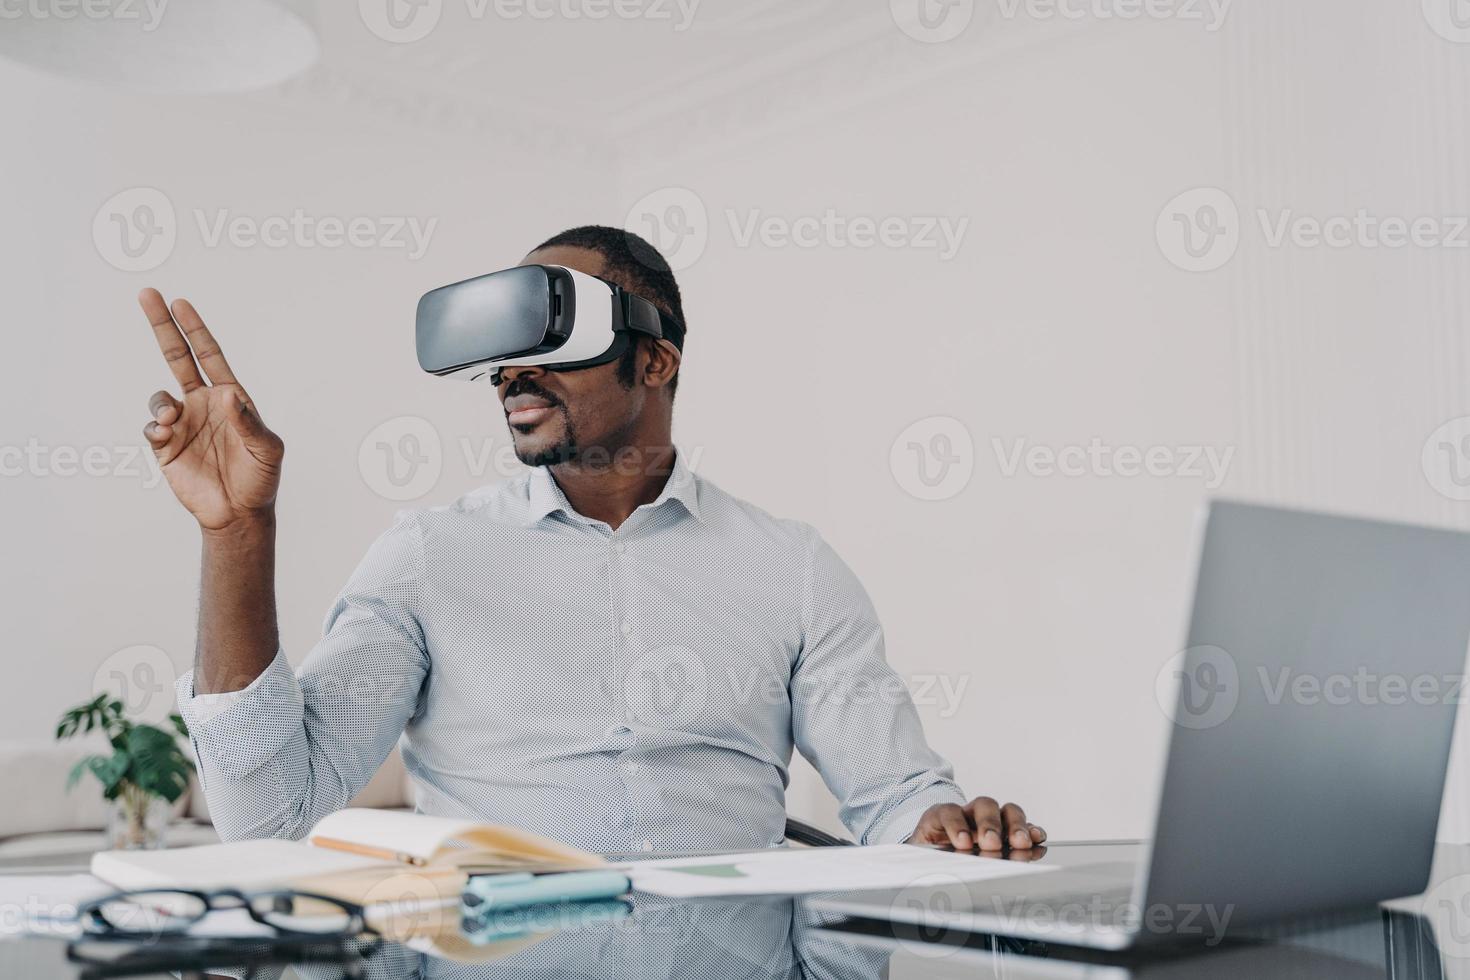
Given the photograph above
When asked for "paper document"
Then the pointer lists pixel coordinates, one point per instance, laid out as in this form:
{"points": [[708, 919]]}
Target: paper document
{"points": [[45, 904], [802, 871]]}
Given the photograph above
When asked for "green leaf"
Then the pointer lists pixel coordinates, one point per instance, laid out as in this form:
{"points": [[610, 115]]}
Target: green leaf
{"points": [[159, 766], [110, 771], [179, 726], [73, 777]]}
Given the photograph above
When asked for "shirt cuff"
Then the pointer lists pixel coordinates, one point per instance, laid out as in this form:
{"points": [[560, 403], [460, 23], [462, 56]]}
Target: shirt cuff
{"points": [[238, 731], [207, 707], [900, 826]]}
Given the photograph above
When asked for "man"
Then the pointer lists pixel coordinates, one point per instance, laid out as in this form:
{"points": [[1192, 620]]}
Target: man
{"points": [[610, 650]]}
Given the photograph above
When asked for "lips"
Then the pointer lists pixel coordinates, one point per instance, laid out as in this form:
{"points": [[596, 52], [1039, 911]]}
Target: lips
{"points": [[526, 409]]}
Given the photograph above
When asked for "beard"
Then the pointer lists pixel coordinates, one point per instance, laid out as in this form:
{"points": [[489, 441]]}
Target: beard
{"points": [[564, 450]]}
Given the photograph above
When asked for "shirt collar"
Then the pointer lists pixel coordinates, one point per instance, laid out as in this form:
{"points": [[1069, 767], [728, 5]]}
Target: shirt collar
{"points": [[545, 497]]}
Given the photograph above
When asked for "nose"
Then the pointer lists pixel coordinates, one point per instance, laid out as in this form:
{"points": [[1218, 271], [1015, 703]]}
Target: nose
{"points": [[508, 374]]}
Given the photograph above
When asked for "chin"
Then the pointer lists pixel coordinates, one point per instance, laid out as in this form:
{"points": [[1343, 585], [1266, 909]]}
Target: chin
{"points": [[536, 451]]}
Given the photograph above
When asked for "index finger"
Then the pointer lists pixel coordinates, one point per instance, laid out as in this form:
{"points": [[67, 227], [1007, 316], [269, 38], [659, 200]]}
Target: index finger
{"points": [[170, 340]]}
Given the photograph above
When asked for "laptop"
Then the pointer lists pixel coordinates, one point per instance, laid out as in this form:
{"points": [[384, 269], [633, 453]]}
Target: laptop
{"points": [[1313, 709]]}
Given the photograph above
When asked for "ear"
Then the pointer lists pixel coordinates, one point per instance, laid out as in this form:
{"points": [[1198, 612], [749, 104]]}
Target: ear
{"points": [[661, 361]]}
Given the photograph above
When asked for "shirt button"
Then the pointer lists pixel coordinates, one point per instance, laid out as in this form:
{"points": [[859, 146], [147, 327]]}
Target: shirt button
{"points": [[626, 627], [645, 845], [619, 547], [630, 766]]}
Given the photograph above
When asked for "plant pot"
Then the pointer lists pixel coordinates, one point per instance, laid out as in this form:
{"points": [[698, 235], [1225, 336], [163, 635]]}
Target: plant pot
{"points": [[137, 821]]}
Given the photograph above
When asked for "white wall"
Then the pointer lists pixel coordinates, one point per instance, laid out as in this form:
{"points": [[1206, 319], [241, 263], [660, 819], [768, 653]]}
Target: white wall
{"points": [[1055, 600], [322, 338], [1323, 371]]}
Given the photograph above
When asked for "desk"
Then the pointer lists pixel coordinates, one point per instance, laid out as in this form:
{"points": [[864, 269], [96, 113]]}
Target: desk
{"points": [[751, 938]]}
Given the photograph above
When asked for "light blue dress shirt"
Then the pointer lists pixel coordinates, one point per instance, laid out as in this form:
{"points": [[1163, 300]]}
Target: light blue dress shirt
{"points": [[637, 689]]}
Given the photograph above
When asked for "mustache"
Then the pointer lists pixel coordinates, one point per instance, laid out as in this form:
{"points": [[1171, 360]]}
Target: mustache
{"points": [[527, 386]]}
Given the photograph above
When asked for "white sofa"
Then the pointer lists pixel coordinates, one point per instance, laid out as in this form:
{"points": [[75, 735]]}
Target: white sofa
{"points": [[41, 823]]}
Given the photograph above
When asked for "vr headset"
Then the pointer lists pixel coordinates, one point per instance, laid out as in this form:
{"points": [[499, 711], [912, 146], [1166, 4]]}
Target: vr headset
{"points": [[547, 315]]}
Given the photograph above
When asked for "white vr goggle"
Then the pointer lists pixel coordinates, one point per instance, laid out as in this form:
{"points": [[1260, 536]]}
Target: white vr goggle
{"points": [[544, 315]]}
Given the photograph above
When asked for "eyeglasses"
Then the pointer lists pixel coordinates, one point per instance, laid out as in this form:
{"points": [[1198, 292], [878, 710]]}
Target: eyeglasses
{"points": [[118, 955], [168, 911]]}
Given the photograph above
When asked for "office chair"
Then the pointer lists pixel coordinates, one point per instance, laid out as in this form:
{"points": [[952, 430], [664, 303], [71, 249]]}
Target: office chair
{"points": [[805, 833]]}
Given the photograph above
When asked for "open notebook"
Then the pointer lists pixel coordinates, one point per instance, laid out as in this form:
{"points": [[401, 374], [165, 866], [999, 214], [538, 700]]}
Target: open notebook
{"points": [[364, 856]]}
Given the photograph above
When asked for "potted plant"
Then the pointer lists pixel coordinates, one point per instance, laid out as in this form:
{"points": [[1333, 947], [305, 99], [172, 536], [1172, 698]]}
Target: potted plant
{"points": [[144, 776]]}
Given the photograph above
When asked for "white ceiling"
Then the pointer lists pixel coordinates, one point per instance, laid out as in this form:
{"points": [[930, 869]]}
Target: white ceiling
{"points": [[658, 83]]}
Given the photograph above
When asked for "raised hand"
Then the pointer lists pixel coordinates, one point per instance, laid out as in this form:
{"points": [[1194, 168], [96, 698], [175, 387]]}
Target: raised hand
{"points": [[221, 461]]}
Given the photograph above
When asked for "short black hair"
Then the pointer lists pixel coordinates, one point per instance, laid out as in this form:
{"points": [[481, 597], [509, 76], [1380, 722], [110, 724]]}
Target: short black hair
{"points": [[632, 261], [636, 266]]}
